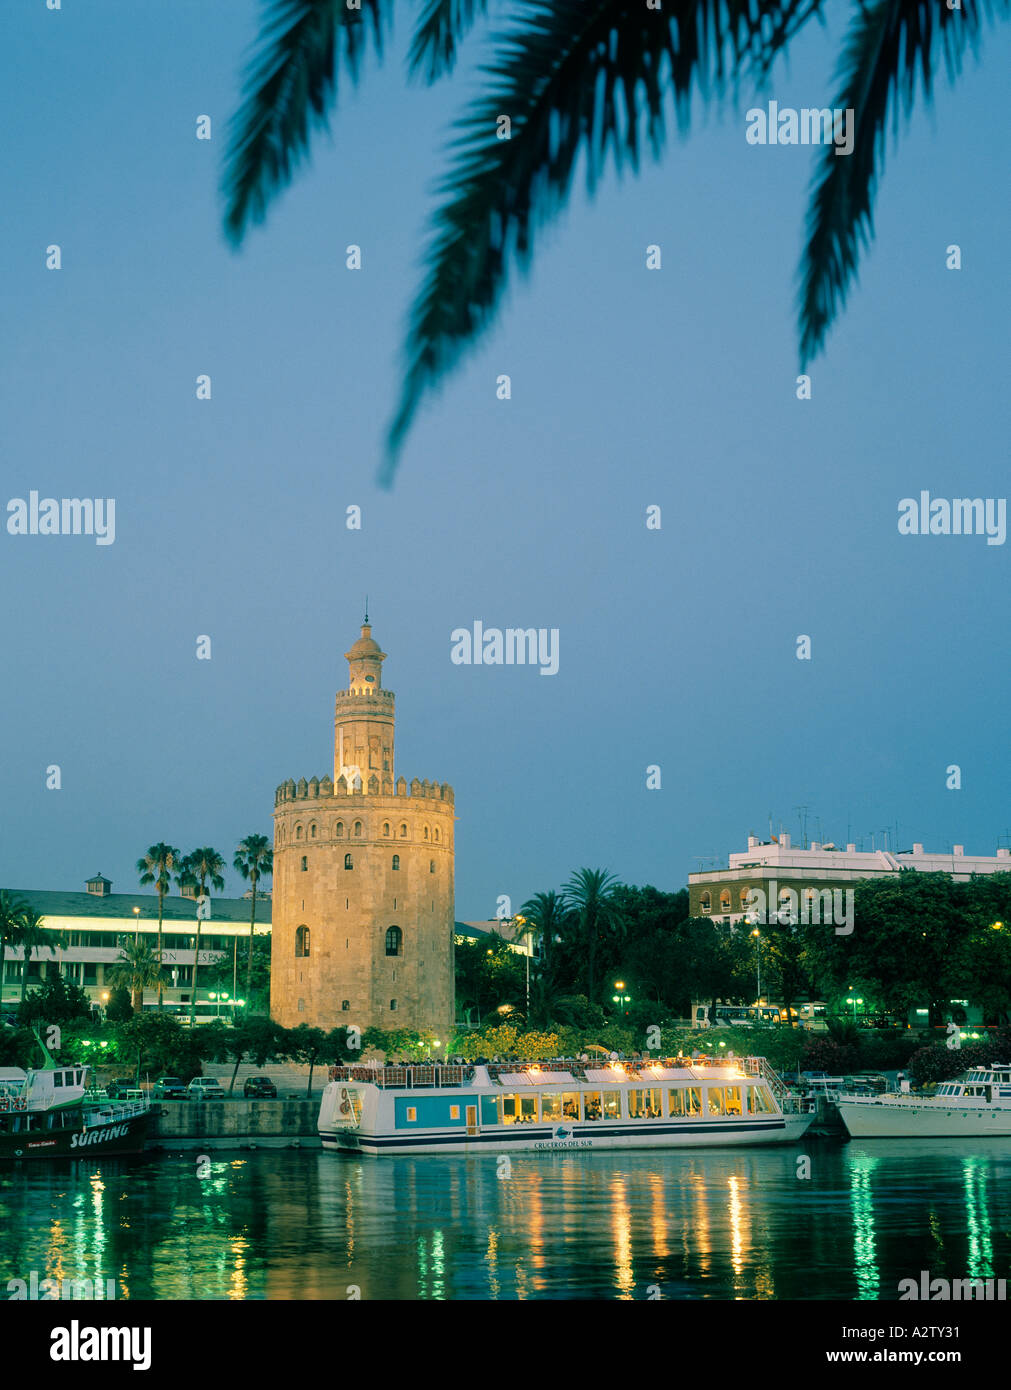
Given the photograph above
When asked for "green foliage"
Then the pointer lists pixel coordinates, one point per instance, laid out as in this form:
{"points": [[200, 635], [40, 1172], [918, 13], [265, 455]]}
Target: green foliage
{"points": [[939, 1063], [57, 1000], [119, 1008], [158, 1044]]}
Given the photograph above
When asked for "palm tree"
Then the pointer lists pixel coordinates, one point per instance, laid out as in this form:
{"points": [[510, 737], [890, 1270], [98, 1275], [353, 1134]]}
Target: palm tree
{"points": [[138, 968], [155, 867], [591, 893], [253, 859], [11, 911], [583, 79], [546, 917], [198, 869], [32, 935]]}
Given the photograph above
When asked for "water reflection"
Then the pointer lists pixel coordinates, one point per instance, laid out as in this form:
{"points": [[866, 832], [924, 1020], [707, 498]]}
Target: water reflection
{"points": [[719, 1224]]}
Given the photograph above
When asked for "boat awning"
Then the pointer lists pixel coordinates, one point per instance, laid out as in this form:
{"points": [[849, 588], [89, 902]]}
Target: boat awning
{"points": [[537, 1078]]}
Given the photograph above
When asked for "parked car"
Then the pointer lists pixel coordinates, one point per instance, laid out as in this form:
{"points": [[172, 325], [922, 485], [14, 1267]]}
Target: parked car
{"points": [[259, 1088], [204, 1088], [168, 1088]]}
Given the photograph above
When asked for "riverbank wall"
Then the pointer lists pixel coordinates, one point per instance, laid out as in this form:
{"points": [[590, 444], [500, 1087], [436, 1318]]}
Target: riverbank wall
{"points": [[234, 1124]]}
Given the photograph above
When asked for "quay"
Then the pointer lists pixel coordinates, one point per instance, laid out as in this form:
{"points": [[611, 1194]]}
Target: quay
{"points": [[235, 1124]]}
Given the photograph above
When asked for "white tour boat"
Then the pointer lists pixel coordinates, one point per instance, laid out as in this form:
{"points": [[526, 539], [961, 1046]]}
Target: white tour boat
{"points": [[557, 1105], [976, 1105]]}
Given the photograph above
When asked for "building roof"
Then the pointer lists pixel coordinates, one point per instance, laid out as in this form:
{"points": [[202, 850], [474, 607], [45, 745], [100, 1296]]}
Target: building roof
{"points": [[121, 905]]}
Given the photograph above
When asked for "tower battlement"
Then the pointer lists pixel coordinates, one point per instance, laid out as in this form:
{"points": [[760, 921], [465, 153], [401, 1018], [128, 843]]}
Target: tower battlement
{"points": [[323, 788]]}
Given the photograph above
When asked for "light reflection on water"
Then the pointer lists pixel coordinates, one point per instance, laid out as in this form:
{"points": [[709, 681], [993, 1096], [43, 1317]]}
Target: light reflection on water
{"points": [[715, 1224]]}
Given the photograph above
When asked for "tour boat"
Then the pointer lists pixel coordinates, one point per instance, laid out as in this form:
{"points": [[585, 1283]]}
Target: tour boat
{"points": [[550, 1106], [45, 1113], [976, 1105]]}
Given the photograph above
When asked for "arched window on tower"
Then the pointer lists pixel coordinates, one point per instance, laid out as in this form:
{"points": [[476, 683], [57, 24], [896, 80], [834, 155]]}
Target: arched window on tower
{"points": [[298, 832], [725, 900], [403, 830], [386, 827], [425, 833], [436, 834], [396, 861], [312, 831], [706, 902], [302, 941], [394, 941], [357, 829], [347, 862], [431, 866]]}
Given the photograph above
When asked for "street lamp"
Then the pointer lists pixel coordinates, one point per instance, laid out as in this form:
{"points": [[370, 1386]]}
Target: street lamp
{"points": [[758, 957], [854, 1002], [136, 925], [621, 998]]}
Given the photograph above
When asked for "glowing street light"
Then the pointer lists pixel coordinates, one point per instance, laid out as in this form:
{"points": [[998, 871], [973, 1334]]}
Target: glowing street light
{"points": [[621, 998]]}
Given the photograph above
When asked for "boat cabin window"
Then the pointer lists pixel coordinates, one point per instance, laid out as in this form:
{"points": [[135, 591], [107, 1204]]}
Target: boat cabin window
{"points": [[57, 1078], [570, 1105], [612, 1105], [686, 1100], [551, 1105], [760, 1101], [519, 1110], [591, 1105], [645, 1104], [716, 1100]]}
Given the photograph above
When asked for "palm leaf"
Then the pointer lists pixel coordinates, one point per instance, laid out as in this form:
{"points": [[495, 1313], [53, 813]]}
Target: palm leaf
{"points": [[574, 76], [439, 31], [892, 46], [290, 86]]}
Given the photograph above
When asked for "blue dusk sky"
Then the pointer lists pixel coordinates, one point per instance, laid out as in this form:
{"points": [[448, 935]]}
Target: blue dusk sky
{"points": [[630, 388]]}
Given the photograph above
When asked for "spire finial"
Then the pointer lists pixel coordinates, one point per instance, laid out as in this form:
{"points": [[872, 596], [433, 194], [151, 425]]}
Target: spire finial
{"points": [[366, 610]]}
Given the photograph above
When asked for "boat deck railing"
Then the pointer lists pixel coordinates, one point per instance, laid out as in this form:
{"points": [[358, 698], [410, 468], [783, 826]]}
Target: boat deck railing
{"points": [[436, 1075]]}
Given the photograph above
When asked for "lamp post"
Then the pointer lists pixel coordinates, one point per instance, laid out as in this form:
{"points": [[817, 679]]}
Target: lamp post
{"points": [[621, 998], [136, 925], [854, 1002], [758, 959], [521, 922]]}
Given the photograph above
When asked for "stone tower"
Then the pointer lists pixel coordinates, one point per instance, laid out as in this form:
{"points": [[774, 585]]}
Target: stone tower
{"points": [[362, 901]]}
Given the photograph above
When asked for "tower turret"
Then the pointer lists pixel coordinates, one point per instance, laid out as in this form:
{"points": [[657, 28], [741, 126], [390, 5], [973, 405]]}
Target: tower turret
{"points": [[363, 719]]}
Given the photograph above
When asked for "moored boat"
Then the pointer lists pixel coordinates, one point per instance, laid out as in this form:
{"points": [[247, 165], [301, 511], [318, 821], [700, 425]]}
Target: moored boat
{"points": [[45, 1113], [976, 1105], [551, 1106]]}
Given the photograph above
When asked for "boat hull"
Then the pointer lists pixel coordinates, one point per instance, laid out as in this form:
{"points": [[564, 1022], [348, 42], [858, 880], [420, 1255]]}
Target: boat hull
{"points": [[778, 1129], [881, 1119], [117, 1136]]}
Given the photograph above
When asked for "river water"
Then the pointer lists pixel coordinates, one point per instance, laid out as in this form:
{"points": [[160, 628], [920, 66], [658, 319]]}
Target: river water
{"points": [[718, 1224]]}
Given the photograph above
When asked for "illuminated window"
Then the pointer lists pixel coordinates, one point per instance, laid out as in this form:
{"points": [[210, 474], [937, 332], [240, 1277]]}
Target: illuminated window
{"points": [[570, 1105], [725, 900], [706, 902], [454, 1112], [412, 1113], [716, 1100], [302, 941], [732, 1100], [591, 1105], [645, 1104], [551, 1105], [612, 1105]]}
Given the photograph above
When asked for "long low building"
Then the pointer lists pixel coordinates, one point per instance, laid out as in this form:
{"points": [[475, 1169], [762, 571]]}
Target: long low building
{"points": [[723, 893], [90, 928]]}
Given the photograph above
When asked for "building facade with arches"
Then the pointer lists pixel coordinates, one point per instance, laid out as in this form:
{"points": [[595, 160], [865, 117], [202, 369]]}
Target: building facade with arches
{"points": [[363, 890]]}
